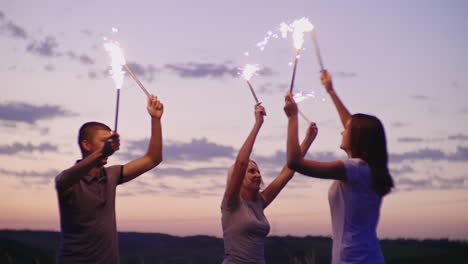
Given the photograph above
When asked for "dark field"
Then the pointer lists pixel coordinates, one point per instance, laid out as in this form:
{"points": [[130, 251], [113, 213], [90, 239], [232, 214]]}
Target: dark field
{"points": [[41, 247]]}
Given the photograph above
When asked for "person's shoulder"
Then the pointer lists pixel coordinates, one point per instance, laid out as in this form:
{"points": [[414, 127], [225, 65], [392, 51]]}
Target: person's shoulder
{"points": [[114, 172], [357, 170]]}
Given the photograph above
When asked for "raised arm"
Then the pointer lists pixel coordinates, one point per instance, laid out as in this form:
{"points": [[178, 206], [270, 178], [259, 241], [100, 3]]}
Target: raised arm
{"points": [[286, 174], [73, 175], [295, 161], [231, 194], [153, 155], [340, 107]]}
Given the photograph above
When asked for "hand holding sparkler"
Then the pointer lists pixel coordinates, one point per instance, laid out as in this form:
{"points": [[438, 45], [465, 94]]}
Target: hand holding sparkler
{"points": [[326, 79], [112, 145], [259, 113], [155, 107], [290, 106]]}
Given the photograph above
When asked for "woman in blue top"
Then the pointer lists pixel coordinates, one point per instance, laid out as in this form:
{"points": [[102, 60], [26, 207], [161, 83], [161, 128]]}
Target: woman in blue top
{"points": [[359, 184], [245, 227]]}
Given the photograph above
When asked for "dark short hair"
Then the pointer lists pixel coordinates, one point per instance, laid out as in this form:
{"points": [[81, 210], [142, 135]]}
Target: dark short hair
{"points": [[87, 130], [368, 142]]}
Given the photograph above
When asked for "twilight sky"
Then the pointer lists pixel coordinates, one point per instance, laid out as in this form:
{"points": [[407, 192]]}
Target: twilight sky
{"points": [[403, 61]]}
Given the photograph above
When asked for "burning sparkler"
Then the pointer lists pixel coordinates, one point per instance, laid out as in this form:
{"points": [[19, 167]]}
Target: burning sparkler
{"points": [[299, 27], [248, 71], [117, 60]]}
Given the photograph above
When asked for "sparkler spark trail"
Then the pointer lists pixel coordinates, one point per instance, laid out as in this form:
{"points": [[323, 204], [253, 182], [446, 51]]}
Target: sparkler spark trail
{"points": [[249, 70], [300, 97], [300, 26], [117, 61]]}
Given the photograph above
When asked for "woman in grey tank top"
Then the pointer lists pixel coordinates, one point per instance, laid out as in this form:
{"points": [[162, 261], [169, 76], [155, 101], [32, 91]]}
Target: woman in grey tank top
{"points": [[245, 227]]}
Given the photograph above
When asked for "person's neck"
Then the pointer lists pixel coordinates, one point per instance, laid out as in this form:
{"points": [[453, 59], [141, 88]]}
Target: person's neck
{"points": [[249, 195], [95, 171]]}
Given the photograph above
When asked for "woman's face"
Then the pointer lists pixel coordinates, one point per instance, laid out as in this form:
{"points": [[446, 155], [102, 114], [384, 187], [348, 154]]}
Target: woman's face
{"points": [[252, 179], [346, 137]]}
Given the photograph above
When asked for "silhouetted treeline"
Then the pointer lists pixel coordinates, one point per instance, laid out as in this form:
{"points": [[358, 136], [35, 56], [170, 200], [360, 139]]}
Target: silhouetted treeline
{"points": [[41, 247]]}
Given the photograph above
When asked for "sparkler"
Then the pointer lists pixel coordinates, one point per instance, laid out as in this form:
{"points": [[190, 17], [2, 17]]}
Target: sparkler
{"points": [[299, 27], [117, 60], [136, 79], [299, 97], [313, 35], [248, 71]]}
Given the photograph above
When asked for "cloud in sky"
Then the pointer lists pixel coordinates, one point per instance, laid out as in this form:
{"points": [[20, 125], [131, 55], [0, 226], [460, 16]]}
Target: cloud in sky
{"points": [[433, 182], [344, 75], [189, 173], [196, 150], [14, 30], [28, 147], [32, 173], [145, 72], [29, 113], [410, 139], [46, 48], [420, 97], [398, 124], [210, 70], [460, 137], [49, 67], [461, 154]]}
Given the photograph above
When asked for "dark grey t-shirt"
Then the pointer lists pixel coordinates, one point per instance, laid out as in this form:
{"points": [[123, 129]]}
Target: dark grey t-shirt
{"points": [[245, 228], [87, 219]]}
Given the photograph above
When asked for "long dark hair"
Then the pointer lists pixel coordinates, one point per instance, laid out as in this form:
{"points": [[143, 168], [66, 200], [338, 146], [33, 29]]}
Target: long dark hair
{"points": [[368, 143]]}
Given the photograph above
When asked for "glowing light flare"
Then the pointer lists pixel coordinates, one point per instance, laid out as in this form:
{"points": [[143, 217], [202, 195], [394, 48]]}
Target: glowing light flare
{"points": [[284, 29], [300, 26], [249, 70], [117, 62], [300, 96]]}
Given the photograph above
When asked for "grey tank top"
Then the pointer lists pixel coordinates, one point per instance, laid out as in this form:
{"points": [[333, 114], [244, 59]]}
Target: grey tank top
{"points": [[245, 228]]}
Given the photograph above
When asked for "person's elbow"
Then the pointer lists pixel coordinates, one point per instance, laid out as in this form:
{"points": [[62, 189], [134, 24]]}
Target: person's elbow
{"points": [[154, 161], [294, 163]]}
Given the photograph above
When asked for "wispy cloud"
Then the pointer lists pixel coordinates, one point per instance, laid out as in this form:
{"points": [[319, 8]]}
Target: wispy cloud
{"points": [[28, 113], [410, 139], [195, 150], [345, 75], [28, 147], [420, 97], [208, 70], [189, 173], [398, 124], [145, 72], [31, 173], [201, 70], [47, 47], [460, 137], [14, 30], [432, 182], [461, 154]]}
